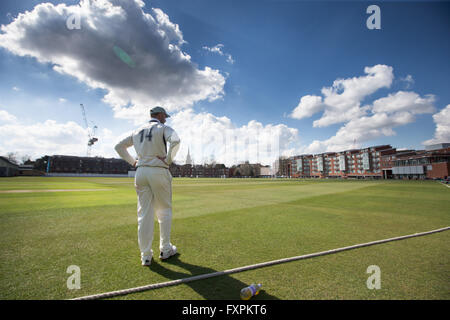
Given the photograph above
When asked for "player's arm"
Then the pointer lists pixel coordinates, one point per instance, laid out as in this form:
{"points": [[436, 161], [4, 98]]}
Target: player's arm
{"points": [[174, 140], [121, 149]]}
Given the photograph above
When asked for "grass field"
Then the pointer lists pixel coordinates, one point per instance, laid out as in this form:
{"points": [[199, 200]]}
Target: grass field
{"points": [[221, 224]]}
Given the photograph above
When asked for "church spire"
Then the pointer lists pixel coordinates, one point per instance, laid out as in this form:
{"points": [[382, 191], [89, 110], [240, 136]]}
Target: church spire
{"points": [[188, 158]]}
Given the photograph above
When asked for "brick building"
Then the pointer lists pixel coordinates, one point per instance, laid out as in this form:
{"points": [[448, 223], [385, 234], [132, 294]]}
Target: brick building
{"points": [[217, 170], [356, 163], [73, 164], [247, 169], [423, 164], [283, 167], [377, 162]]}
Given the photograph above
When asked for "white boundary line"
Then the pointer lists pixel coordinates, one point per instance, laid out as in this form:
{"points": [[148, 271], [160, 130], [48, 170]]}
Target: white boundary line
{"points": [[250, 267], [446, 185], [51, 190]]}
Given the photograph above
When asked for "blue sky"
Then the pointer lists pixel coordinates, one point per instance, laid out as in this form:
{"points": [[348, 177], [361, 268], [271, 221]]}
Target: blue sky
{"points": [[282, 51]]}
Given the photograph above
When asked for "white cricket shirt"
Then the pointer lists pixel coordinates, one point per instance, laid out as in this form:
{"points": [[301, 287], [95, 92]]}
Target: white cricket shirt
{"points": [[150, 141]]}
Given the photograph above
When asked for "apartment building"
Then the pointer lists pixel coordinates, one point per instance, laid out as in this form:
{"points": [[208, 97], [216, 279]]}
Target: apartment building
{"points": [[356, 163]]}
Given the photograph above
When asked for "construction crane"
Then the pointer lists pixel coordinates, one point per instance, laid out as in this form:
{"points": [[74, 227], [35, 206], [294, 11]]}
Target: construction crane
{"points": [[91, 132]]}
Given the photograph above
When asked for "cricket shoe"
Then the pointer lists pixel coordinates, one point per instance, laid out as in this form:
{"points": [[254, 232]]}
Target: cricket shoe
{"points": [[146, 260], [171, 252]]}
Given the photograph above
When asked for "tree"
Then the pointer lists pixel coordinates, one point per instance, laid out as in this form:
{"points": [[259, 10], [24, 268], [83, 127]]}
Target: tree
{"points": [[12, 157], [25, 158]]}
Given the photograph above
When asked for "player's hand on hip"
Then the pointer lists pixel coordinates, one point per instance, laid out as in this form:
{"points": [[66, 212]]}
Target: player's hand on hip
{"points": [[162, 159]]}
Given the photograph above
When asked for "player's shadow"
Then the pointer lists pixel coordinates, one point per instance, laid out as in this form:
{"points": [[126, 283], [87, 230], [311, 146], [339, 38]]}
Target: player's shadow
{"points": [[222, 287]]}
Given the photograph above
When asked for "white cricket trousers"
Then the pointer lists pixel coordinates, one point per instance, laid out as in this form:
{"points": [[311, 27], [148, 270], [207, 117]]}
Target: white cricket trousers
{"points": [[154, 193]]}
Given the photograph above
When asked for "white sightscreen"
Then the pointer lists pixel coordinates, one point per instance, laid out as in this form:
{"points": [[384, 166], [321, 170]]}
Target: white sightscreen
{"points": [[408, 170]]}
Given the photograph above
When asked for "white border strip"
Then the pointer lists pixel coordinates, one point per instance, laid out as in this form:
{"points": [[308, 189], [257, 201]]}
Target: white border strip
{"points": [[444, 184], [250, 267]]}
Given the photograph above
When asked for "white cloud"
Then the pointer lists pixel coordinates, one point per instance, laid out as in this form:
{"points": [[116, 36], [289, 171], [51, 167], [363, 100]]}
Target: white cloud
{"points": [[50, 137], [442, 133], [6, 117], [343, 99], [381, 122], [62, 100], [342, 103], [408, 80], [167, 28], [159, 72], [211, 137], [405, 101], [42, 138], [307, 106], [16, 88], [360, 130], [207, 136], [218, 49]]}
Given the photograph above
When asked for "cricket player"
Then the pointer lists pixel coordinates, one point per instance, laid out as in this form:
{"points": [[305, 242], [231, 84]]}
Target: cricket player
{"points": [[153, 181]]}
